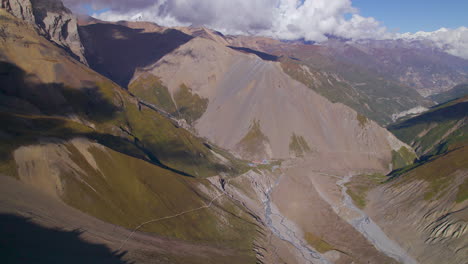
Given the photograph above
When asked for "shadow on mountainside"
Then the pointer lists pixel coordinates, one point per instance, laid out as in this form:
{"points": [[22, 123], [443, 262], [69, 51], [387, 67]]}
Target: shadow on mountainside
{"points": [[262, 55], [117, 51], [31, 112], [22, 241], [24, 94], [457, 111]]}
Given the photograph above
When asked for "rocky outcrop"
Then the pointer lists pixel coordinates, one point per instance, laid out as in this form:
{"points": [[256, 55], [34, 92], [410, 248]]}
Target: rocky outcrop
{"points": [[53, 20], [20, 8]]}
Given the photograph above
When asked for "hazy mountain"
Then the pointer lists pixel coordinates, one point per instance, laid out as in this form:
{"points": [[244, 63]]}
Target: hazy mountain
{"points": [[379, 79], [454, 93]]}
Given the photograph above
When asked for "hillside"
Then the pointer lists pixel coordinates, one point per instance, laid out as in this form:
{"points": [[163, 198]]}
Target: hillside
{"points": [[434, 131], [379, 79], [98, 149], [437, 185], [242, 112], [454, 93], [130, 142]]}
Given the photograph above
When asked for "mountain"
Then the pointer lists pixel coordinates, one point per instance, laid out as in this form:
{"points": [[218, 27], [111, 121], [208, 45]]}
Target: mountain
{"points": [[431, 195], [239, 97], [52, 20], [115, 50], [434, 130], [250, 106], [379, 79], [183, 145], [454, 93], [84, 142]]}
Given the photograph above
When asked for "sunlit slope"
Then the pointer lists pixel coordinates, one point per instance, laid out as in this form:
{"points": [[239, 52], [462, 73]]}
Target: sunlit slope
{"points": [[259, 111], [80, 138], [430, 196], [39, 79]]}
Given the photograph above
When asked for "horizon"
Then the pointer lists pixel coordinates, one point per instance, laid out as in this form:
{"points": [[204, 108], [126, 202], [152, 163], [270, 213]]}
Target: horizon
{"points": [[308, 20]]}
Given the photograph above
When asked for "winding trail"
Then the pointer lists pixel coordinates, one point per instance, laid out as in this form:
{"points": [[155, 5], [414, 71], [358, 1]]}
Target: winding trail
{"points": [[169, 217]]}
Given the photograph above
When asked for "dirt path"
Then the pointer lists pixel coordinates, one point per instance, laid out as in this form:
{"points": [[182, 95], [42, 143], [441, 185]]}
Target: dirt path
{"points": [[21, 200], [169, 217]]}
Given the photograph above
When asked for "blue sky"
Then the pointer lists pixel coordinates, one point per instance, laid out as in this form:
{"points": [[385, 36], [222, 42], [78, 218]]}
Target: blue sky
{"points": [[415, 15], [90, 11], [402, 15]]}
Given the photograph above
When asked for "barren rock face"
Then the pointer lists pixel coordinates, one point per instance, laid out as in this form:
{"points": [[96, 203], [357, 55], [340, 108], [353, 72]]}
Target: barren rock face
{"points": [[19, 8], [255, 106], [52, 19]]}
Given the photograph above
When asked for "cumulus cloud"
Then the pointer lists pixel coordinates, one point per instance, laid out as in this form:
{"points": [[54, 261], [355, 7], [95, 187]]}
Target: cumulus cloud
{"points": [[453, 41], [285, 19], [311, 20]]}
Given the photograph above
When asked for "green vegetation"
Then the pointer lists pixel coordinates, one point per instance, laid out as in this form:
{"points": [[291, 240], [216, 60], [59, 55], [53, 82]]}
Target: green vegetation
{"points": [[253, 142], [143, 163], [428, 131], [360, 185], [362, 120], [186, 104], [367, 93], [19, 130], [190, 106], [441, 136], [318, 243], [403, 157], [298, 146], [128, 191], [462, 193], [108, 113], [439, 171], [150, 89], [454, 93]]}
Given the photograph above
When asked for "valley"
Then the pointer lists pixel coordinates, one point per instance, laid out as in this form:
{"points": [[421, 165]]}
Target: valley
{"points": [[132, 142]]}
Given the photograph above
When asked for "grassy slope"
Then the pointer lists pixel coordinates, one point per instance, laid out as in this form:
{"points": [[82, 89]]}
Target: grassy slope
{"points": [[360, 185], [190, 106], [454, 93], [431, 130], [252, 144], [440, 136], [184, 104], [69, 88], [45, 94], [150, 89], [128, 192], [298, 145], [444, 158], [363, 91]]}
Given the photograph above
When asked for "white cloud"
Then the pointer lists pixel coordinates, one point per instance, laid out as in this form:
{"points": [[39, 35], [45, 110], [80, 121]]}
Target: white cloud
{"points": [[284, 19], [453, 41]]}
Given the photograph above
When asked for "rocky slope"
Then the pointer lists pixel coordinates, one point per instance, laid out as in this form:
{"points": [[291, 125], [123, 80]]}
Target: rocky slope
{"points": [[369, 76], [52, 20], [242, 114], [414, 64], [430, 196]]}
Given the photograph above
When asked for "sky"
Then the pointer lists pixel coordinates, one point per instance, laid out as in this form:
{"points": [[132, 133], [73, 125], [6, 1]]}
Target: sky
{"points": [[442, 22], [416, 15]]}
